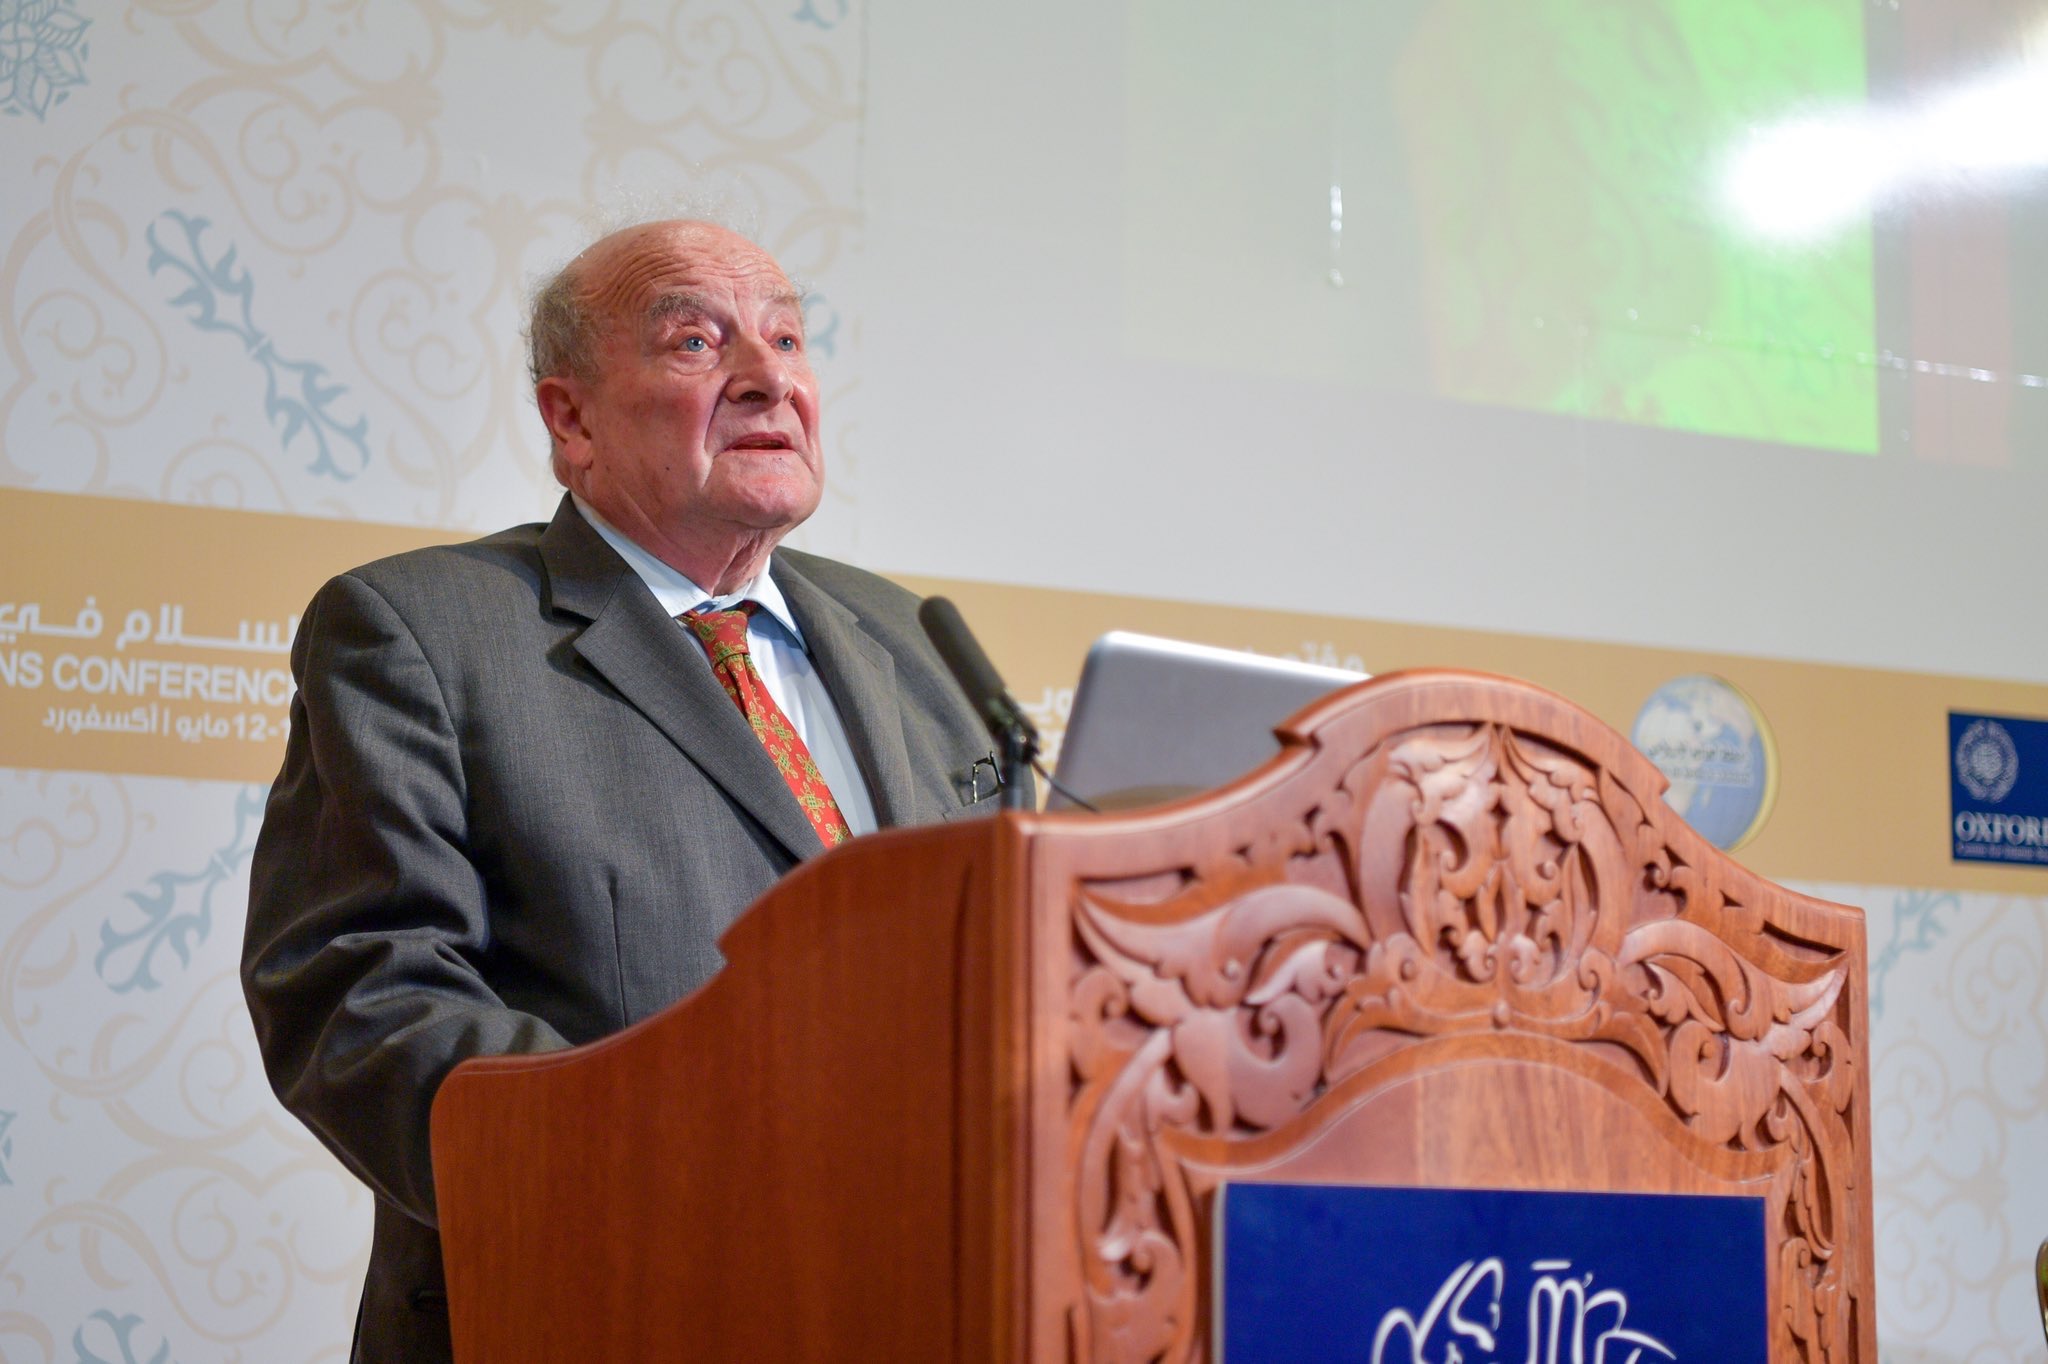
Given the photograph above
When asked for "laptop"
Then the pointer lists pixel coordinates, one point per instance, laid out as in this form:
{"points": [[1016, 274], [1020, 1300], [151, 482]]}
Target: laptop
{"points": [[1155, 719]]}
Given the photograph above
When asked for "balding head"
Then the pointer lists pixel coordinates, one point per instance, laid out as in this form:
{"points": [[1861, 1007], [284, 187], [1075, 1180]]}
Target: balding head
{"points": [[670, 369], [568, 314]]}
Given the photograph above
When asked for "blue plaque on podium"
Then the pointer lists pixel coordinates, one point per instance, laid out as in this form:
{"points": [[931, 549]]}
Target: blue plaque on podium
{"points": [[1325, 1273]]}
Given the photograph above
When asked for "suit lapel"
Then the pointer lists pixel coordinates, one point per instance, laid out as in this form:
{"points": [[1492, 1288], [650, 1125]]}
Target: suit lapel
{"points": [[663, 674], [861, 676]]}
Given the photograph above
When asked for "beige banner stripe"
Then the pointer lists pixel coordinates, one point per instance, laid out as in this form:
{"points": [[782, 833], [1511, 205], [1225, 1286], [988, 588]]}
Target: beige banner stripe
{"points": [[140, 637]]}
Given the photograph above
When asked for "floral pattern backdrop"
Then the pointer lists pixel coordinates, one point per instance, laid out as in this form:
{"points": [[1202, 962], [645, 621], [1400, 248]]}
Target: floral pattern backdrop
{"points": [[1959, 1117], [273, 257]]}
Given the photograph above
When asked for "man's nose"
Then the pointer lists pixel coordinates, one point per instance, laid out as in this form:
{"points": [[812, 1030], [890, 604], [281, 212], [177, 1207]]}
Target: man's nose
{"points": [[760, 373]]}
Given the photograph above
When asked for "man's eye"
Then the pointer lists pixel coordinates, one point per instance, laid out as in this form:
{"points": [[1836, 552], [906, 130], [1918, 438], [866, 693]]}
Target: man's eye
{"points": [[786, 344], [695, 343]]}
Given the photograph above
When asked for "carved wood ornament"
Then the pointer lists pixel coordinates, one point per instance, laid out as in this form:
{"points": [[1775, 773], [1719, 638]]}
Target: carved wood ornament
{"points": [[1496, 904]]}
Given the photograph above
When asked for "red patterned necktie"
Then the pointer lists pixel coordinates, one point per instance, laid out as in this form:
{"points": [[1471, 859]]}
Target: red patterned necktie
{"points": [[724, 636]]}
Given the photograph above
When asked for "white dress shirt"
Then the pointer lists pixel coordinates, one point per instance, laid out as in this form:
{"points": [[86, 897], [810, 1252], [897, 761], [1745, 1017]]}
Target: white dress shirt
{"points": [[777, 646]]}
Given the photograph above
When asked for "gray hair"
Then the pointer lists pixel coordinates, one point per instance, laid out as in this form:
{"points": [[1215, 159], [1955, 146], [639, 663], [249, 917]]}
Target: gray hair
{"points": [[562, 334]]}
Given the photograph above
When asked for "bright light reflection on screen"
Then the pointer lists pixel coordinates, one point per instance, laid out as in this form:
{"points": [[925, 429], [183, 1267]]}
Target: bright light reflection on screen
{"points": [[1657, 212], [1803, 177]]}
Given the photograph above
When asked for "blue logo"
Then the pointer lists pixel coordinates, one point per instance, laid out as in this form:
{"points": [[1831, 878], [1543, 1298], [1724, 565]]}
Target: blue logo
{"points": [[1987, 762], [1998, 803], [1710, 740]]}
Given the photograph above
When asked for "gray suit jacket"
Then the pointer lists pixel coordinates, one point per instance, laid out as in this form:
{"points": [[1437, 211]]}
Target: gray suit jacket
{"points": [[516, 812]]}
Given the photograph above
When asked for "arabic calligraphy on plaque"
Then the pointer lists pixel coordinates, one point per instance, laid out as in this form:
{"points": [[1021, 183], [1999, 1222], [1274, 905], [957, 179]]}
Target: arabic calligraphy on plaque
{"points": [[1566, 1321]]}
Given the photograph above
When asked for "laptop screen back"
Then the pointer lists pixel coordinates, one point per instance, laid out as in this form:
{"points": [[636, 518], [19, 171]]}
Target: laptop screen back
{"points": [[1155, 720]]}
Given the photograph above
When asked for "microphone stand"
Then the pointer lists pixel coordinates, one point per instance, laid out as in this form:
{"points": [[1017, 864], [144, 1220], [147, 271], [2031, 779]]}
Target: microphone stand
{"points": [[1016, 737], [1017, 749]]}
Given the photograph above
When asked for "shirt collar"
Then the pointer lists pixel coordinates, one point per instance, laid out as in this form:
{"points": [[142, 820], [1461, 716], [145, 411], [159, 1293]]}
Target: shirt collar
{"points": [[675, 591]]}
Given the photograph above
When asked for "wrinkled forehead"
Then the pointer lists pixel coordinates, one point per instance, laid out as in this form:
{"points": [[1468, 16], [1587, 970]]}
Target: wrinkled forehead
{"points": [[628, 273]]}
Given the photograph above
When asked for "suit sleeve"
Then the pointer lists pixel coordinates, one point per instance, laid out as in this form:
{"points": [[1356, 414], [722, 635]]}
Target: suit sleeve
{"points": [[366, 914]]}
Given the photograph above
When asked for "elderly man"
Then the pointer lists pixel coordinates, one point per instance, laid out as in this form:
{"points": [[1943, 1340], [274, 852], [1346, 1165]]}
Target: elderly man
{"points": [[532, 778]]}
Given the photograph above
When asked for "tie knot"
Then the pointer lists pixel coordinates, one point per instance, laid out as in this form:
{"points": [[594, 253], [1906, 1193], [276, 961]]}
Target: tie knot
{"points": [[724, 633]]}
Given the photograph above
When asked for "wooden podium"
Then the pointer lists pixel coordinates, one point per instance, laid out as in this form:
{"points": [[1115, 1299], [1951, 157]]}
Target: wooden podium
{"points": [[965, 1093]]}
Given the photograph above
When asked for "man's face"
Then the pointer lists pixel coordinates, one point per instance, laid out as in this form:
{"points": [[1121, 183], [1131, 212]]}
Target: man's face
{"points": [[700, 423]]}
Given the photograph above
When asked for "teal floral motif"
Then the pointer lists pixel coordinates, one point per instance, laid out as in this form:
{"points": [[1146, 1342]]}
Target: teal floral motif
{"points": [[42, 54], [6, 1146], [131, 951], [298, 394], [1915, 928], [821, 336], [122, 1331], [810, 14]]}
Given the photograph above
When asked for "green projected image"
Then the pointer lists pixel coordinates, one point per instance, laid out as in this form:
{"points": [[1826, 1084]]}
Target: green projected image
{"points": [[1517, 204]]}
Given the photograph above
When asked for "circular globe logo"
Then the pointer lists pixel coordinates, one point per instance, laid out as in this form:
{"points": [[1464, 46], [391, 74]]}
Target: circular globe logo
{"points": [[1987, 763], [1710, 740]]}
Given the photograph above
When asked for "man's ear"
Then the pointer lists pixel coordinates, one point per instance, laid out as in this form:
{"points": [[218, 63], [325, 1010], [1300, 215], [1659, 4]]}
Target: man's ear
{"points": [[560, 399]]}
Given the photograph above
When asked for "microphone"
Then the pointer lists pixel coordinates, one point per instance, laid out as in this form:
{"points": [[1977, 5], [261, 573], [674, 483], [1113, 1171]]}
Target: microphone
{"points": [[983, 685]]}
